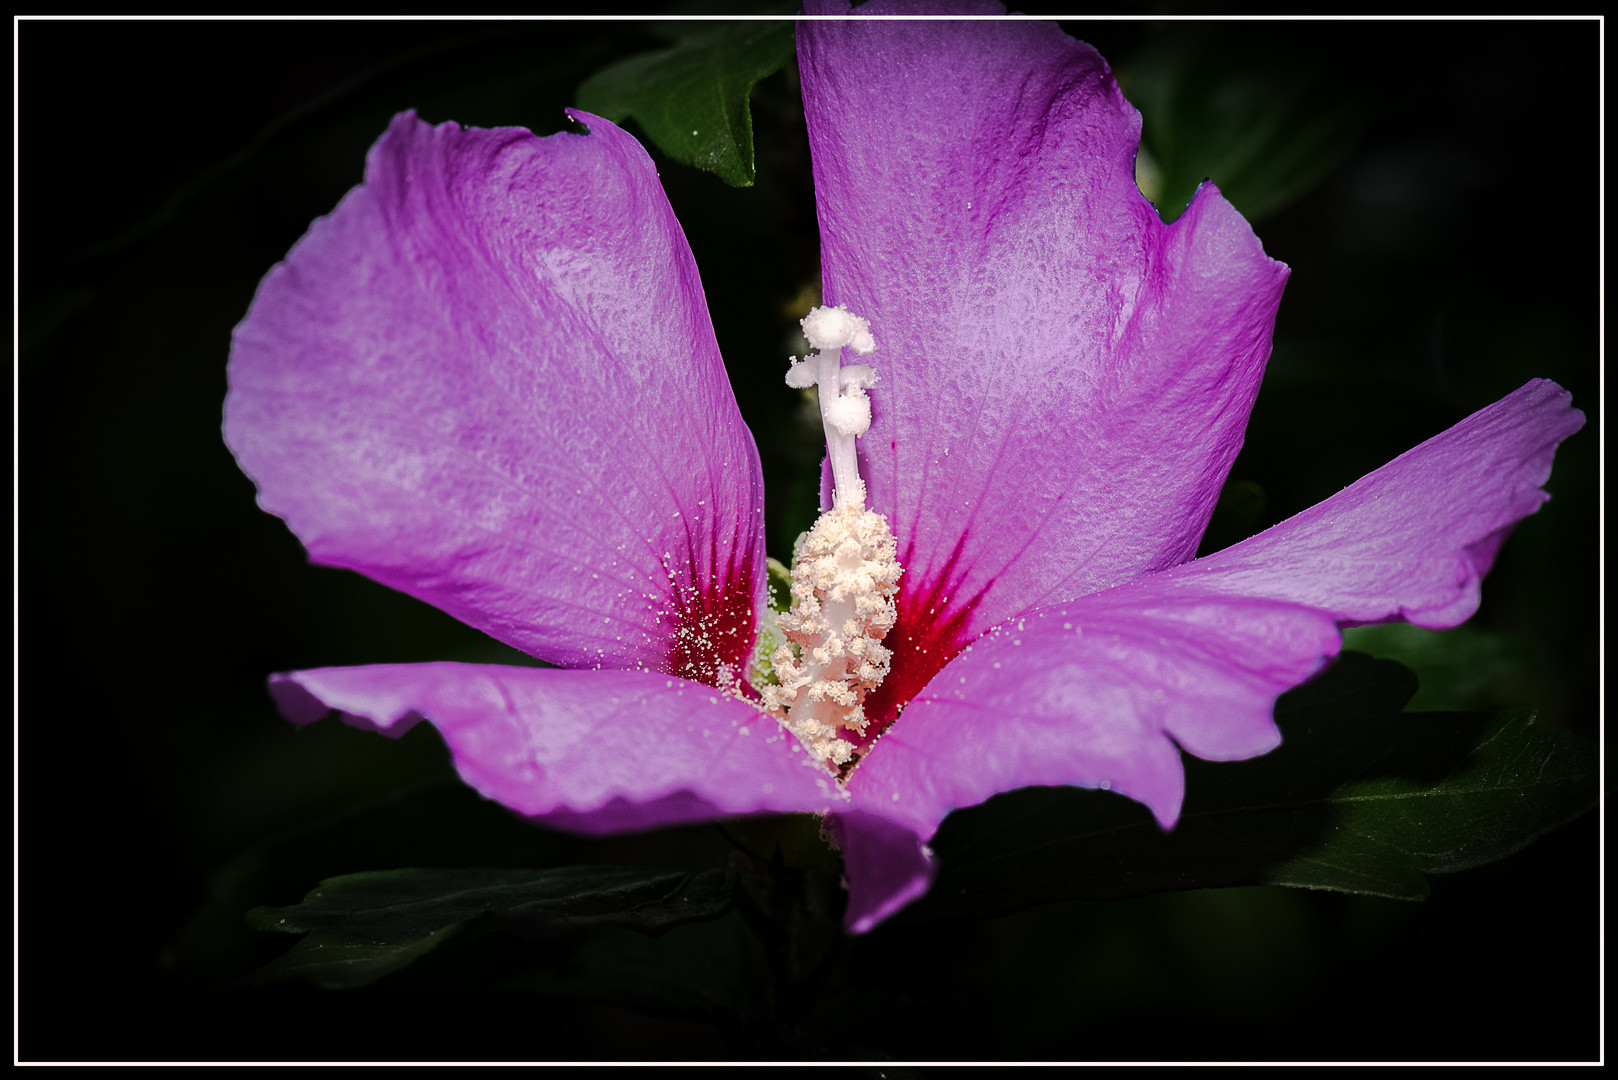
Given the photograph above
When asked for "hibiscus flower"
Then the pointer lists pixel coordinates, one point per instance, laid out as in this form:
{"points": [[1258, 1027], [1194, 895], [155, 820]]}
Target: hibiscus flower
{"points": [[489, 379]]}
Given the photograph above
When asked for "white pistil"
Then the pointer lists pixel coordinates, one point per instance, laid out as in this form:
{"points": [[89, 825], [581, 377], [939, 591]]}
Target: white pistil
{"points": [[845, 570], [845, 411]]}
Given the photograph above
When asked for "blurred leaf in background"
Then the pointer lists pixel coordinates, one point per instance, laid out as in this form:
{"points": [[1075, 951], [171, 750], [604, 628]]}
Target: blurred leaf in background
{"points": [[360, 927], [1468, 667], [1266, 127]]}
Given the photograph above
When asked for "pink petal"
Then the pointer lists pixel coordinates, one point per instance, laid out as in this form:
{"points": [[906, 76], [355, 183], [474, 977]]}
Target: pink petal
{"points": [[1065, 380], [1096, 693], [589, 751], [488, 379], [1412, 540], [887, 864]]}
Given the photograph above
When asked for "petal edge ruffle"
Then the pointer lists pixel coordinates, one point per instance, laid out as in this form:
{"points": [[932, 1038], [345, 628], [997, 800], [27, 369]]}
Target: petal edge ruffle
{"points": [[588, 751], [1096, 692], [1413, 539]]}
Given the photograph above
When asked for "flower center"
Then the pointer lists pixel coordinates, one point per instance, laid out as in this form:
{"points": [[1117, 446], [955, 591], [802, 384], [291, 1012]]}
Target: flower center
{"points": [[845, 570]]}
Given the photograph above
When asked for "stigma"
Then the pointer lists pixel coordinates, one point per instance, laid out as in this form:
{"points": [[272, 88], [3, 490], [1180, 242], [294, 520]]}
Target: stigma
{"points": [[845, 570]]}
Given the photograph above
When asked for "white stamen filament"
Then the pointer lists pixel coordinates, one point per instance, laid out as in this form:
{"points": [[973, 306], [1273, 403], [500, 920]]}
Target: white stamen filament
{"points": [[845, 570]]}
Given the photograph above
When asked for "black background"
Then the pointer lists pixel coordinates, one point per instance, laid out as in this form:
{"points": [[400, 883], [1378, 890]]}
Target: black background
{"points": [[166, 166]]}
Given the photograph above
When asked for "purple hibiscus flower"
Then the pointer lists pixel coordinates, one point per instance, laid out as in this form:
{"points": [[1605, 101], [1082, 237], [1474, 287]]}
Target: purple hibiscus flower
{"points": [[489, 379]]}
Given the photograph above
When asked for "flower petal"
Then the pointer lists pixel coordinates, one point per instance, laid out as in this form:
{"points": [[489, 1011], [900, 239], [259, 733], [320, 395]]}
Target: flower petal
{"points": [[887, 864], [1095, 693], [589, 751], [488, 379], [1413, 539], [1065, 379]]}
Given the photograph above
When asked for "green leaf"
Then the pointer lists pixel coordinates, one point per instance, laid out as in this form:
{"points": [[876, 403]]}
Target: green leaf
{"points": [[441, 824], [1265, 129], [691, 99], [1468, 667], [1359, 798], [361, 927]]}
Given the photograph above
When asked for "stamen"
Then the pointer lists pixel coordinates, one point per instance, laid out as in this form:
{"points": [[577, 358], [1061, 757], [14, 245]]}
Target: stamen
{"points": [[845, 570]]}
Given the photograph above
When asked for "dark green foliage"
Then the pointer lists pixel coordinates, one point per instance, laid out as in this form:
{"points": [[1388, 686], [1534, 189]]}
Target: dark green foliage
{"points": [[712, 971], [361, 927], [1264, 127], [1359, 798], [691, 98]]}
